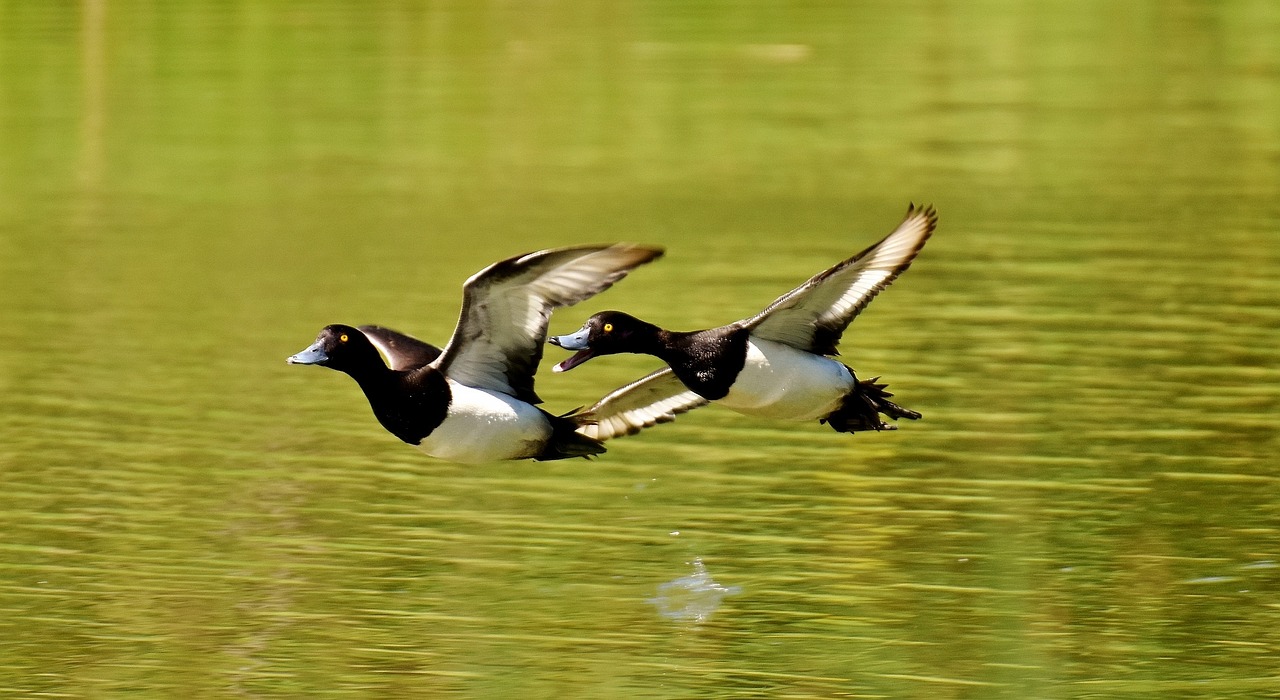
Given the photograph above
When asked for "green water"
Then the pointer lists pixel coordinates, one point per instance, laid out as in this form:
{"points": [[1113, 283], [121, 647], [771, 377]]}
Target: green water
{"points": [[1089, 509]]}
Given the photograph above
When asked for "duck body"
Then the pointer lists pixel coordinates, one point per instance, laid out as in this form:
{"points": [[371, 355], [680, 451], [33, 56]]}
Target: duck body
{"points": [[777, 364], [455, 422], [754, 376], [778, 381], [486, 426], [473, 401]]}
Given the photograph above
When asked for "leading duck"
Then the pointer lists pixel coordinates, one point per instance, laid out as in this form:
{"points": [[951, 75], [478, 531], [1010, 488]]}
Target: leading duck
{"points": [[474, 401], [775, 364]]}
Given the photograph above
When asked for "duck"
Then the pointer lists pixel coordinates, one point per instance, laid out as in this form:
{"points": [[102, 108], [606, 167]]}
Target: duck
{"points": [[473, 401], [779, 363]]}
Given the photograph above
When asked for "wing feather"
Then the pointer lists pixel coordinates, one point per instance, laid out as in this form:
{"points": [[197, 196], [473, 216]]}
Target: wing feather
{"points": [[498, 341], [400, 351], [655, 398], [814, 315]]}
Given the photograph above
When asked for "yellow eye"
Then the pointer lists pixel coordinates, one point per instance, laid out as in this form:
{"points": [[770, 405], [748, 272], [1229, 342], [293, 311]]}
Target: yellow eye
{"points": [[608, 327], [343, 337]]}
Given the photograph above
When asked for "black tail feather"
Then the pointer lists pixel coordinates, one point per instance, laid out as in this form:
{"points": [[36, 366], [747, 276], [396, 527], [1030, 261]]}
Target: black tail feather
{"points": [[566, 441], [860, 411]]}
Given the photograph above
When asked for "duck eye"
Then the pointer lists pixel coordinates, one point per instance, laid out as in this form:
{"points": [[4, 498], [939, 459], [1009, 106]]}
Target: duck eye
{"points": [[608, 328], [342, 338]]}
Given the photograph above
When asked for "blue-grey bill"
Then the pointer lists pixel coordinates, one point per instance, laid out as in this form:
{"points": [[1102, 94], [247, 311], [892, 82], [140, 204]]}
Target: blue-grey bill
{"points": [[573, 341], [313, 355]]}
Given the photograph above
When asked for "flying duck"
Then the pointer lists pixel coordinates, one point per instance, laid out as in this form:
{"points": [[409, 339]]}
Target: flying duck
{"points": [[775, 364], [473, 401]]}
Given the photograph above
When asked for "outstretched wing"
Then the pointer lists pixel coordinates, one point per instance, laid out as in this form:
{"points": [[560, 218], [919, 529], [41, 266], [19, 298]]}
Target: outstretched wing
{"points": [[401, 351], [813, 316], [505, 308], [652, 399]]}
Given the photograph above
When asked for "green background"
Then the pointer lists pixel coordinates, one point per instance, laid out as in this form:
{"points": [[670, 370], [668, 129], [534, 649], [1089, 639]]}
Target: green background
{"points": [[189, 191]]}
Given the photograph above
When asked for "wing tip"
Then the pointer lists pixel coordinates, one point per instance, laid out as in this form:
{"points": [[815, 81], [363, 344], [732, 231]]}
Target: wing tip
{"points": [[917, 227], [641, 252], [928, 211]]}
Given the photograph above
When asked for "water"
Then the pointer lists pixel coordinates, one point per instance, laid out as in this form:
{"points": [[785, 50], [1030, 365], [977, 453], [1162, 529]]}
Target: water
{"points": [[1088, 509], [693, 597]]}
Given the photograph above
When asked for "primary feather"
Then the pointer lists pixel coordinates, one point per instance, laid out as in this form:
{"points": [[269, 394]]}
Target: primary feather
{"points": [[498, 341], [813, 316], [655, 398]]}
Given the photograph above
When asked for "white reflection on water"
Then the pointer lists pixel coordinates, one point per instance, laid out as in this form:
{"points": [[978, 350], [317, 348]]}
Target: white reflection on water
{"points": [[693, 597]]}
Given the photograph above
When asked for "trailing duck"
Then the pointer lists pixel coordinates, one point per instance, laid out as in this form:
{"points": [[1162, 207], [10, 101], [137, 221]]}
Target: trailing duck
{"points": [[776, 364]]}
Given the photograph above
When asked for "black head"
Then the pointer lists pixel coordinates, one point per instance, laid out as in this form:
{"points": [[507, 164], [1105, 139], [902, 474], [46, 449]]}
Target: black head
{"points": [[340, 347], [605, 333]]}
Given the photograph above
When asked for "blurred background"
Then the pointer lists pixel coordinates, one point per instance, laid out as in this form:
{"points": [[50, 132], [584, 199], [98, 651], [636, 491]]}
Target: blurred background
{"points": [[1089, 508]]}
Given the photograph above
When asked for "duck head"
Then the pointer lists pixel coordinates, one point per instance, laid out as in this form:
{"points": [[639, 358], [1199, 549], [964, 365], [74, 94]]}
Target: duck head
{"points": [[339, 347], [605, 333]]}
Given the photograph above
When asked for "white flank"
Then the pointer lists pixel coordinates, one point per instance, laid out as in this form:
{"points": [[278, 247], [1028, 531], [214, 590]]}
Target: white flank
{"points": [[486, 426], [779, 381]]}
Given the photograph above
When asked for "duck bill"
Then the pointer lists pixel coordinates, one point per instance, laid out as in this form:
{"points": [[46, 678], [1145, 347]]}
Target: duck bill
{"points": [[313, 355], [576, 359], [574, 341]]}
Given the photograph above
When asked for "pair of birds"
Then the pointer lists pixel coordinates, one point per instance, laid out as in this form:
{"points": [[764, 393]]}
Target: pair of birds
{"points": [[474, 401]]}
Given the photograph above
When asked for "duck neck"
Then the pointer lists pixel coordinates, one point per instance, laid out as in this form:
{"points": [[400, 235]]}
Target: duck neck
{"points": [[369, 373], [410, 404], [644, 338], [671, 346], [374, 380]]}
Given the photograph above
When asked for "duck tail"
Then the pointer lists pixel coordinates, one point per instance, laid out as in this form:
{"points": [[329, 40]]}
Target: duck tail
{"points": [[566, 441], [861, 409]]}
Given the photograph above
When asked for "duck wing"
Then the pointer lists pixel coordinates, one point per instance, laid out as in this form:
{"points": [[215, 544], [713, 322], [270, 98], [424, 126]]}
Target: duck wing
{"points": [[652, 399], [814, 315], [401, 351], [498, 341]]}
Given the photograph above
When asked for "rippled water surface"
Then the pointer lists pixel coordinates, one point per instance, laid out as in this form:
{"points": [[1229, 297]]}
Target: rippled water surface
{"points": [[1089, 509]]}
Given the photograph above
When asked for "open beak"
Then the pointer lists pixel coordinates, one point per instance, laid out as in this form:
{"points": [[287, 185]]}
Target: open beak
{"points": [[313, 355], [573, 341]]}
